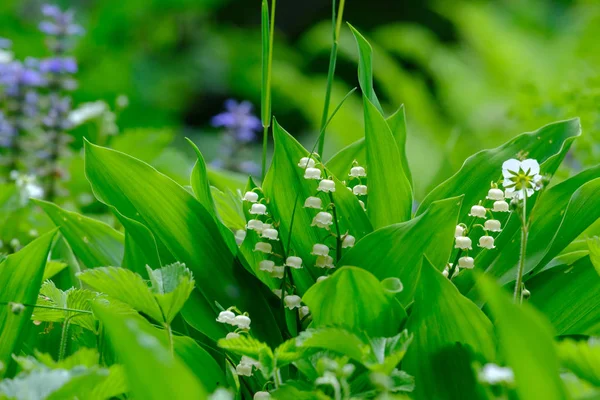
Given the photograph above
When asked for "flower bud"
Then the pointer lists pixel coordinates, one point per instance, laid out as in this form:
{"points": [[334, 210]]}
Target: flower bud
{"points": [[258, 209], [240, 235], [477, 211], [320, 250], [324, 262], [293, 262], [312, 173], [492, 225], [266, 265], [357, 171], [16, 308], [526, 293], [243, 369], [263, 247], [463, 243], [232, 335], [313, 202], [303, 312], [306, 162], [360, 190], [486, 242], [278, 272], [277, 292], [226, 317], [348, 241], [262, 395], [362, 204], [466, 262], [242, 321], [500, 206], [255, 225], [270, 234], [292, 301], [495, 194], [322, 220], [327, 186], [459, 231], [251, 197]]}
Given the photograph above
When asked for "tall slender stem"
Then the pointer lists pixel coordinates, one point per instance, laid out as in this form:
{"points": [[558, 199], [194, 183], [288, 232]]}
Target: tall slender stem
{"points": [[337, 26], [170, 338], [64, 339], [518, 294], [268, 28]]}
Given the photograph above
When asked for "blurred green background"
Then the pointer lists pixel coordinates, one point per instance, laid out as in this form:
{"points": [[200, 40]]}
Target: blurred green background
{"points": [[470, 73]]}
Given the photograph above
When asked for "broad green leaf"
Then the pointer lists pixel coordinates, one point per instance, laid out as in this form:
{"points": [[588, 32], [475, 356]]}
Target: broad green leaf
{"points": [[226, 180], [171, 286], [141, 249], [334, 339], [123, 285], [365, 68], [594, 251], [190, 234], [93, 242], [526, 341], [397, 124], [390, 192], [74, 299], [155, 141], [200, 362], [549, 142], [21, 277], [570, 297], [152, 373], [396, 250], [229, 208], [582, 358], [200, 183], [286, 189], [341, 162], [354, 299], [389, 351], [450, 333]]}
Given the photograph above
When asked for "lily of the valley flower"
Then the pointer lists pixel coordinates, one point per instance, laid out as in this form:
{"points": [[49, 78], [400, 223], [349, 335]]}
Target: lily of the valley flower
{"points": [[327, 186], [466, 262], [242, 321], [322, 278], [240, 235], [494, 374], [521, 176], [251, 197], [322, 220], [495, 194], [226, 317], [313, 202], [277, 292], [258, 209], [320, 250], [459, 231], [306, 162], [324, 262], [266, 265], [464, 243], [270, 233], [263, 247], [243, 369], [312, 173], [348, 241], [293, 262], [477, 211], [255, 225], [492, 225], [360, 190], [486, 242], [500, 206], [232, 335], [278, 272], [357, 172], [303, 312], [262, 395], [292, 301]]}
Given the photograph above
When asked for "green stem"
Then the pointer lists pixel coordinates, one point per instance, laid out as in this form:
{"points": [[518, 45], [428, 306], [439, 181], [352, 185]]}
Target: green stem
{"points": [[64, 339], [170, 338], [518, 294], [51, 307], [338, 246], [337, 25], [264, 151], [267, 78]]}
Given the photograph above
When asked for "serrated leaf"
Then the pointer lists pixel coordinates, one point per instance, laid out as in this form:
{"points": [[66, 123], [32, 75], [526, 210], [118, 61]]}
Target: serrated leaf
{"points": [[245, 345], [354, 299], [389, 351], [334, 339], [171, 286], [582, 358], [21, 276], [74, 299], [450, 333]]}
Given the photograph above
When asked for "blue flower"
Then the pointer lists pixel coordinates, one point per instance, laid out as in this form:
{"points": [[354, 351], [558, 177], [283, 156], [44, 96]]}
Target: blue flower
{"points": [[59, 23], [239, 120]]}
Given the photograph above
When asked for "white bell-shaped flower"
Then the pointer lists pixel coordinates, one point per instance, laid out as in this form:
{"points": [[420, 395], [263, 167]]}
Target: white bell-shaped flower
{"points": [[492, 225], [250, 361], [312, 173], [500, 206], [262, 395], [313, 202], [226, 317], [357, 172], [307, 162], [459, 231], [278, 272], [243, 369], [486, 242], [348, 241], [292, 301], [477, 211], [327, 186], [277, 292], [495, 194], [466, 262], [293, 262], [448, 268], [320, 250], [266, 265], [232, 335], [255, 225], [251, 197], [494, 374], [322, 278], [323, 220], [464, 243], [270, 234], [242, 321], [324, 262], [240, 235], [263, 247], [362, 204], [360, 190], [258, 209], [303, 312]]}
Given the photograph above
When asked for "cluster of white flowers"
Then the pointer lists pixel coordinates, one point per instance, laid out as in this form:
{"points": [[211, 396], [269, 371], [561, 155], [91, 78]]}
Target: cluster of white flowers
{"points": [[240, 321], [246, 366], [360, 189]]}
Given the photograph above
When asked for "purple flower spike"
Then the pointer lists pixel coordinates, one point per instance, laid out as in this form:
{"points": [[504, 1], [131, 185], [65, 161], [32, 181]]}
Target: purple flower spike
{"points": [[239, 119]]}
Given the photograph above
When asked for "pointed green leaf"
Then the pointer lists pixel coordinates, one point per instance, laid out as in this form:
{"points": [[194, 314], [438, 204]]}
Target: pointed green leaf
{"points": [[341, 162], [141, 249], [200, 183], [365, 68], [21, 277], [450, 333], [354, 299]]}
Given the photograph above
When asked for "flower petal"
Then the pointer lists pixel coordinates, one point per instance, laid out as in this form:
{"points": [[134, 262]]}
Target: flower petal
{"points": [[510, 165], [530, 165]]}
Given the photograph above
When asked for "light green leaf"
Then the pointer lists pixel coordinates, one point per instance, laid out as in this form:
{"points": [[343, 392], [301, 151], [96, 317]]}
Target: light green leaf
{"points": [[171, 286], [365, 68], [396, 251], [75, 299], [200, 183], [526, 342], [594, 251], [190, 234], [53, 268], [569, 297], [21, 276], [334, 339], [245, 345], [229, 208], [397, 124], [152, 373], [354, 299], [389, 351], [451, 332], [341, 162], [93, 242], [582, 358]]}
